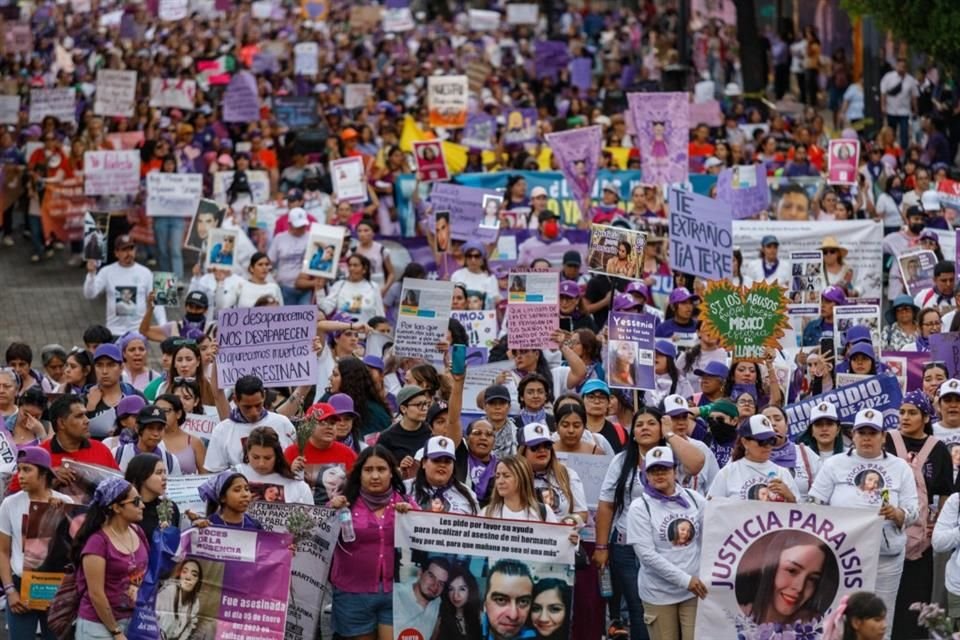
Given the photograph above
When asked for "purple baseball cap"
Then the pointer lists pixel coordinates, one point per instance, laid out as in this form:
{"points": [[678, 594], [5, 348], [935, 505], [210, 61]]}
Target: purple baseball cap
{"points": [[624, 302], [569, 288], [37, 456], [639, 288], [374, 362], [681, 294], [714, 368], [130, 405], [834, 294], [342, 404], [108, 350]]}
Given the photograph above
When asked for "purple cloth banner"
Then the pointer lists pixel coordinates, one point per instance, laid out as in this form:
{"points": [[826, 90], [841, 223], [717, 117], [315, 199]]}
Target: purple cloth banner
{"points": [[745, 189], [907, 366], [480, 131], [945, 347], [581, 72], [549, 57], [521, 126], [630, 351], [465, 205], [661, 122], [241, 100], [701, 235], [577, 151]]}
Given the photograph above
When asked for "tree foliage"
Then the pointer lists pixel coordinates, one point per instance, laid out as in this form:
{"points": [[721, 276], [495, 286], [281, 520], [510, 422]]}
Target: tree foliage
{"points": [[930, 26]]}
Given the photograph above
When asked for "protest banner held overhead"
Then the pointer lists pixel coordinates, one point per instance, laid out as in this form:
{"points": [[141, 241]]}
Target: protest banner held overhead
{"points": [[532, 309], [577, 151], [274, 344], [173, 194], [746, 544], [616, 251], [630, 359], [423, 317], [661, 121], [447, 100], [880, 392], [116, 93], [745, 189]]}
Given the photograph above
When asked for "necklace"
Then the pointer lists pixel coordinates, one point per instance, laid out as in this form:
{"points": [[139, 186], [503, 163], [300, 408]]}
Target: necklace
{"points": [[123, 545]]}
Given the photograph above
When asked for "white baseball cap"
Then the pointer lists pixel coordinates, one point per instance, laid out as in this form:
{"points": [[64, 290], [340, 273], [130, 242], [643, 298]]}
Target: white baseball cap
{"points": [[868, 419], [676, 405], [535, 433], [949, 387], [757, 428], [824, 411], [659, 457], [437, 447], [298, 218]]}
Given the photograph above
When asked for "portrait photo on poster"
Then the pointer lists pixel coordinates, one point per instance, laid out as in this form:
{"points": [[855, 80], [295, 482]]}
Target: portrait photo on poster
{"points": [[491, 211], [96, 228], [442, 231], [209, 215], [188, 603], [221, 248], [322, 256]]}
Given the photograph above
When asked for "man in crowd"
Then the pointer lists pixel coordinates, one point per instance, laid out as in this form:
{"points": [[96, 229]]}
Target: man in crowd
{"points": [[127, 285]]}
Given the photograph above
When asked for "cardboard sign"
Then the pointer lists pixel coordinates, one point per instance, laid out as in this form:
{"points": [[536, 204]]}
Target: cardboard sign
{"points": [[9, 109], [701, 235], [174, 93], [116, 93], [173, 194], [60, 103], [447, 101], [431, 165], [349, 179], [748, 322], [111, 172], [272, 343]]}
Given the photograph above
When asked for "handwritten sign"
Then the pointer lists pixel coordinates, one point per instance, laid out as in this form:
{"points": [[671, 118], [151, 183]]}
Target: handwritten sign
{"points": [[174, 93], [945, 347], [60, 103], [241, 100], [522, 13], [199, 425], [356, 95], [116, 93], [748, 322], [272, 343], [423, 317], [9, 109], [447, 100], [306, 58], [173, 194], [172, 10], [701, 235], [111, 172], [533, 312]]}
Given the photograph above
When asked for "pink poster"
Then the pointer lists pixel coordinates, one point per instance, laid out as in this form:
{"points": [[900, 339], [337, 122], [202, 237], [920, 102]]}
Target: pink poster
{"points": [[843, 156], [661, 122], [431, 166]]}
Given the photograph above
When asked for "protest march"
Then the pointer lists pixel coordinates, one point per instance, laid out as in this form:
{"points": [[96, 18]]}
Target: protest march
{"points": [[440, 320]]}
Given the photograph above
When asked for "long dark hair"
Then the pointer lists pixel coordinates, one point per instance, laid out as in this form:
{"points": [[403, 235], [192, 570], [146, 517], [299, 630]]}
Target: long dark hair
{"points": [[422, 495], [631, 460], [433, 384], [729, 382], [471, 609], [672, 372], [97, 515], [83, 359], [213, 507], [174, 401], [356, 382], [543, 368], [352, 488], [141, 467], [592, 348], [206, 390], [861, 605], [566, 596], [267, 437], [191, 597]]}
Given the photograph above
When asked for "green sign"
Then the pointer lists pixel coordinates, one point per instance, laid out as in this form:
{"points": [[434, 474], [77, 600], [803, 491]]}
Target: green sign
{"points": [[748, 322]]}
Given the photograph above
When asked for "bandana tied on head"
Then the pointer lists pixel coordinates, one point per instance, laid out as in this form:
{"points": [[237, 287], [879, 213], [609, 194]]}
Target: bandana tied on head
{"points": [[210, 490], [109, 491], [920, 400]]}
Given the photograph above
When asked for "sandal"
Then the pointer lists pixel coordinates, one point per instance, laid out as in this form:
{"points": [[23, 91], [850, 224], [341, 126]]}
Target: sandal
{"points": [[617, 630]]}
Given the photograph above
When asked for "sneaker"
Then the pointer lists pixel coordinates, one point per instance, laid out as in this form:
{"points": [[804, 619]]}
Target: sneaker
{"points": [[34, 258], [58, 245], [617, 630], [8, 241]]}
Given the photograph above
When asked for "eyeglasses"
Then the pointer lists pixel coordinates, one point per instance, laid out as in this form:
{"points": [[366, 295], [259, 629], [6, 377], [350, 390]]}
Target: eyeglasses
{"points": [[179, 379], [935, 323], [762, 443], [473, 255], [137, 502], [419, 405]]}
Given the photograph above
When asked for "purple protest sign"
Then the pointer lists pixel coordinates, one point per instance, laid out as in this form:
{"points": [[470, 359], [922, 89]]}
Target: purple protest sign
{"points": [[907, 366], [630, 351], [701, 235], [465, 205], [745, 189], [945, 347], [273, 343], [479, 132], [549, 56], [581, 71], [241, 100], [707, 113], [661, 122], [521, 126], [577, 151]]}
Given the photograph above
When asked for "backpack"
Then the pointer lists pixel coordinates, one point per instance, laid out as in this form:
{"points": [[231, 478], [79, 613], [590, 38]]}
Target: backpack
{"points": [[917, 540]]}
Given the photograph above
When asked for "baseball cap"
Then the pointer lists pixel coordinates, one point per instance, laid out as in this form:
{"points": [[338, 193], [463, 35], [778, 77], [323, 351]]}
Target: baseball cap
{"points": [[298, 218], [374, 362], [659, 457], [723, 406], [768, 240], [342, 405], [868, 419], [408, 393], [594, 385], [535, 433], [320, 411], [348, 133], [856, 334], [757, 428], [714, 368], [572, 258], [151, 414], [37, 456], [929, 234], [438, 407], [439, 447], [638, 287], [197, 298], [108, 350], [665, 347], [712, 162], [863, 349], [624, 302], [569, 288], [294, 194], [129, 406], [124, 241], [546, 214], [834, 294], [537, 191], [496, 392], [680, 294], [675, 405], [824, 411], [950, 387], [930, 200]]}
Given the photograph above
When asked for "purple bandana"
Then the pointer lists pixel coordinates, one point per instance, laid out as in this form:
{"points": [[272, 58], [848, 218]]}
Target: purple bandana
{"points": [[109, 491]]}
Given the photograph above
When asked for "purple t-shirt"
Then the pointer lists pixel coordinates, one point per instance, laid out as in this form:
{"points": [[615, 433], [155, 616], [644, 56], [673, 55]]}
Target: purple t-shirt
{"points": [[122, 578]]}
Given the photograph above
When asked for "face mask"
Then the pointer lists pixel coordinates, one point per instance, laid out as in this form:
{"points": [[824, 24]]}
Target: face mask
{"points": [[551, 229], [916, 228], [194, 317], [897, 195], [720, 430]]}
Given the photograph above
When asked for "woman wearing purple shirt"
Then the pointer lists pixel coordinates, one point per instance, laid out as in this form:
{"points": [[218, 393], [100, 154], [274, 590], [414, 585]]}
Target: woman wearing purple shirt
{"points": [[362, 571]]}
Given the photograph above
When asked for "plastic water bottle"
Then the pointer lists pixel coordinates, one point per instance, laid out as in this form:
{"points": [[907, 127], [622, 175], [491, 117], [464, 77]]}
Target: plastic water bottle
{"points": [[606, 583], [347, 534]]}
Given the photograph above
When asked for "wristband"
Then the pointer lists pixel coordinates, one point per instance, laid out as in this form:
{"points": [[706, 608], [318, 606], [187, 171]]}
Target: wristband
{"points": [[600, 547], [8, 587]]}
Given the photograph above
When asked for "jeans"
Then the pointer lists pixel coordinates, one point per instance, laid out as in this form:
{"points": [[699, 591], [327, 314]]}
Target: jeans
{"points": [[24, 625], [625, 567], [168, 232], [901, 124], [96, 631], [36, 233], [889, 572], [292, 296]]}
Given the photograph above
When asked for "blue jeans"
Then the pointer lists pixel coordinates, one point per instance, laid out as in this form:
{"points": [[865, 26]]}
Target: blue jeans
{"points": [[168, 232], [292, 296], [625, 567], [901, 124], [24, 625], [36, 234]]}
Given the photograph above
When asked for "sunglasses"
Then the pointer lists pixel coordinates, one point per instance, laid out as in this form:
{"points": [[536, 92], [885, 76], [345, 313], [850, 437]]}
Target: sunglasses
{"points": [[137, 502], [184, 341], [541, 446], [179, 379], [762, 443], [473, 255]]}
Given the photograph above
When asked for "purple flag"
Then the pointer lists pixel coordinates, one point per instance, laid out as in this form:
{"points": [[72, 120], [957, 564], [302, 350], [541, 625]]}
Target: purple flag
{"points": [[581, 72], [241, 101], [521, 126], [701, 235], [945, 347], [745, 189], [577, 152], [549, 56], [661, 122], [479, 132]]}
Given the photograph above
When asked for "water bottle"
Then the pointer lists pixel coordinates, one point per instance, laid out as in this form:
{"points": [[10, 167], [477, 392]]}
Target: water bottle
{"points": [[606, 583], [347, 534]]}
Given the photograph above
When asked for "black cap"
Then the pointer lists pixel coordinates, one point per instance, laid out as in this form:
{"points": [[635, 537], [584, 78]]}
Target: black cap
{"points": [[572, 258], [546, 214], [197, 298], [123, 242], [496, 392], [151, 414], [435, 410], [916, 211]]}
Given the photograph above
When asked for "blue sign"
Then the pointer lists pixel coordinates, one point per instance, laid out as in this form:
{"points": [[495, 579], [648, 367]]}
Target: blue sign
{"points": [[880, 392]]}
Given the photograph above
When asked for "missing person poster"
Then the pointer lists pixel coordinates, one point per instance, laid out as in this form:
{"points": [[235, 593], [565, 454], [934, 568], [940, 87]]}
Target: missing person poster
{"points": [[315, 531], [48, 532], [423, 317], [273, 343], [615, 251], [86, 477], [481, 326], [447, 101], [431, 164], [842, 159], [349, 179], [166, 292], [806, 278], [916, 269], [748, 545], [511, 572], [630, 355], [533, 309], [323, 251], [221, 249], [230, 583], [852, 315]]}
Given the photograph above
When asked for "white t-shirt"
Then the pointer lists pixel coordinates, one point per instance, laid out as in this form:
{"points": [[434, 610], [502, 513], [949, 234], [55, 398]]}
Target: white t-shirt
{"points": [[900, 104], [410, 615], [747, 480], [449, 500], [485, 282], [292, 491], [126, 292], [702, 481], [360, 300], [225, 449], [13, 510], [850, 480], [249, 292], [530, 514], [666, 537], [947, 435], [551, 494], [608, 491]]}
